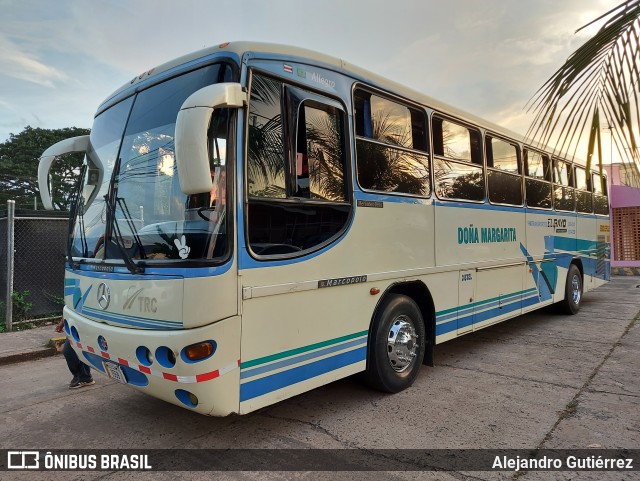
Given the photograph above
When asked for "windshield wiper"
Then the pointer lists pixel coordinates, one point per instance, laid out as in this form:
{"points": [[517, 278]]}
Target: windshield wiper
{"points": [[77, 206], [116, 236], [132, 227], [113, 229]]}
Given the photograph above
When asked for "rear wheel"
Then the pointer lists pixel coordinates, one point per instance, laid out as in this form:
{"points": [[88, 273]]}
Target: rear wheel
{"points": [[396, 344], [572, 291]]}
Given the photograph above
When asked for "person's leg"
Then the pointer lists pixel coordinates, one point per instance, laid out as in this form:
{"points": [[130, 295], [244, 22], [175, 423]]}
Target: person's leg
{"points": [[81, 372], [85, 373], [72, 359]]}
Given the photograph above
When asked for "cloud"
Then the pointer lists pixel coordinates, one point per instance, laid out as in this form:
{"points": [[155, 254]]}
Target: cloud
{"points": [[16, 63], [483, 57]]}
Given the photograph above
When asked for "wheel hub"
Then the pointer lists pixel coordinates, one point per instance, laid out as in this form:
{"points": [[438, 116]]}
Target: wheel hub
{"points": [[575, 289], [402, 344]]}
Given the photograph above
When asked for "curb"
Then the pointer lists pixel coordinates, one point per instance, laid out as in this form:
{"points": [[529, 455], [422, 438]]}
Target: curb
{"points": [[625, 271], [53, 347], [28, 355]]}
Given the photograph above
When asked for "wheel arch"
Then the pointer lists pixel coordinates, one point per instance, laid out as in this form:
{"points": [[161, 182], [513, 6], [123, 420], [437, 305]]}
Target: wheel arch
{"points": [[578, 263], [420, 294]]}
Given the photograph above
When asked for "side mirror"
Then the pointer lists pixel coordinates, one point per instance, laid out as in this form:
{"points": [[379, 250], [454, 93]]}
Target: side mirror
{"points": [[192, 126], [66, 146]]}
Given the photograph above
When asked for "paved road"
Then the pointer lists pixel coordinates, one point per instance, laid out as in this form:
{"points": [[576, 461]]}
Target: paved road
{"points": [[542, 380]]}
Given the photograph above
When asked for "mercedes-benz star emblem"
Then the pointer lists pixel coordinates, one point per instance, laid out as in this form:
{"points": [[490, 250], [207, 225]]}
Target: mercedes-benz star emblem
{"points": [[104, 295]]}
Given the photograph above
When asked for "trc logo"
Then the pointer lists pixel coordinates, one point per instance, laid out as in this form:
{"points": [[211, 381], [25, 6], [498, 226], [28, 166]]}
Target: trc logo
{"points": [[144, 303]]}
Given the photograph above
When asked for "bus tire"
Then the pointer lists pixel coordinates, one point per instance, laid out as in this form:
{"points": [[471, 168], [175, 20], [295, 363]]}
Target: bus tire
{"points": [[572, 291], [396, 344]]}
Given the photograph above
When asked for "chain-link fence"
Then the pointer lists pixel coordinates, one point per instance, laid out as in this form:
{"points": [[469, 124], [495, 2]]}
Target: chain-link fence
{"points": [[39, 254]]}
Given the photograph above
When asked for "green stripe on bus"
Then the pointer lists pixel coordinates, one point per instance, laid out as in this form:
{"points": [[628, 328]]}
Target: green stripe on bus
{"points": [[311, 347], [486, 301], [298, 350]]}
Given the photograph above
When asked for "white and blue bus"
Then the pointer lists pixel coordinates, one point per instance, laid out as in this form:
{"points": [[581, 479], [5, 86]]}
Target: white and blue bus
{"points": [[253, 221]]}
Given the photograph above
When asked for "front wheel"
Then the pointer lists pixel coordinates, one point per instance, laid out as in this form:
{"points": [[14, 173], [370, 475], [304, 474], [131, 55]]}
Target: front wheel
{"points": [[572, 291], [396, 344]]}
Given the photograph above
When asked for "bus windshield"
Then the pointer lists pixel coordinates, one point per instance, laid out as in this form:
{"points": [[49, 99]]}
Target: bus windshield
{"points": [[138, 211]]}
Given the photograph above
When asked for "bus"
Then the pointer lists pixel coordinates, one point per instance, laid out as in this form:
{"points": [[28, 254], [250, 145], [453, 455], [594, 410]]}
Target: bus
{"points": [[253, 221]]}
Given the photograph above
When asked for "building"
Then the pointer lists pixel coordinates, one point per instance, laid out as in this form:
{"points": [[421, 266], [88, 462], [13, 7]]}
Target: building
{"points": [[624, 203]]}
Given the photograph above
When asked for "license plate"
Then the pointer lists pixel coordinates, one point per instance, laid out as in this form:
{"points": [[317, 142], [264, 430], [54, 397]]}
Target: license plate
{"points": [[114, 372]]}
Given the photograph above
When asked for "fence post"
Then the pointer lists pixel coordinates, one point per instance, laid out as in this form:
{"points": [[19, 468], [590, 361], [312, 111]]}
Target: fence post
{"points": [[11, 211]]}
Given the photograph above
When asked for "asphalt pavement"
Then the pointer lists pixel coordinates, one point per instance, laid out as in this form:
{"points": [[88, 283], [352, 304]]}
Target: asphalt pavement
{"points": [[540, 381]]}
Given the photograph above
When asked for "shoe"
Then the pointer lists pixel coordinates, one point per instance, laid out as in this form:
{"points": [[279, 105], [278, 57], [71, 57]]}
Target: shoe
{"points": [[74, 382], [78, 384]]}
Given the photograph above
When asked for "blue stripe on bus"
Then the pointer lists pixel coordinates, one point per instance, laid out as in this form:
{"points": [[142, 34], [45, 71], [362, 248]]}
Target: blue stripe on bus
{"points": [[505, 208], [590, 266], [131, 320], [245, 374], [274, 382], [80, 302], [542, 276], [573, 244], [477, 317], [265, 385], [487, 303], [480, 206], [151, 272]]}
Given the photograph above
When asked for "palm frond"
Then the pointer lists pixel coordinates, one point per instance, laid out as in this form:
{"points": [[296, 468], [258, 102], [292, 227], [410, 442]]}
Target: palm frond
{"points": [[599, 82]]}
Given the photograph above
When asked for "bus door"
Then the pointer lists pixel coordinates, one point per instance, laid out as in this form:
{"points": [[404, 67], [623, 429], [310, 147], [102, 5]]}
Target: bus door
{"points": [[498, 293], [466, 296], [298, 281]]}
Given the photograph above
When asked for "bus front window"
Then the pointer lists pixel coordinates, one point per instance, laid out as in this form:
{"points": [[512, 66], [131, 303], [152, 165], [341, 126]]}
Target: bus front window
{"points": [[147, 217], [90, 221]]}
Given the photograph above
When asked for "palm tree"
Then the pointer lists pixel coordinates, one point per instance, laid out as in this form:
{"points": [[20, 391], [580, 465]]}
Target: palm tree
{"points": [[599, 82]]}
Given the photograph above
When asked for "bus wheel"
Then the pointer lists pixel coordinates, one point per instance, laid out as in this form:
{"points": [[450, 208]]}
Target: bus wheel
{"points": [[396, 344], [572, 291]]}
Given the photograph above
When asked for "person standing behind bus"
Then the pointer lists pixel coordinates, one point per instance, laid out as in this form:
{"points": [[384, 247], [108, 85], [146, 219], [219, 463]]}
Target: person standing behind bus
{"points": [[81, 372]]}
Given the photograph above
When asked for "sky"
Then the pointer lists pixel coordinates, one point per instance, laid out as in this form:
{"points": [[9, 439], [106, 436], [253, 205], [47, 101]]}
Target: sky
{"points": [[59, 60]]}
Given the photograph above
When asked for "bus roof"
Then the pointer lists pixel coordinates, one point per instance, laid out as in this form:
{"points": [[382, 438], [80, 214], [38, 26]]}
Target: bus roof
{"points": [[265, 50]]}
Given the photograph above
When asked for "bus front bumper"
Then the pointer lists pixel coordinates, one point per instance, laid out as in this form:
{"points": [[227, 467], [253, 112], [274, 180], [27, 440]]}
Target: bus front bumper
{"points": [[155, 362]]}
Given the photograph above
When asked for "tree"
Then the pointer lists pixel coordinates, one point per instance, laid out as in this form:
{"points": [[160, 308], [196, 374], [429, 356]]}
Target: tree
{"points": [[19, 157], [599, 82]]}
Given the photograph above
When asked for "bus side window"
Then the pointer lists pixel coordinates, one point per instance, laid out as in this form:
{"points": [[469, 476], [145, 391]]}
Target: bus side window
{"points": [[537, 180], [456, 142], [583, 194], [296, 169], [319, 153], [503, 177], [600, 201], [265, 150], [391, 146], [564, 196], [458, 170]]}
